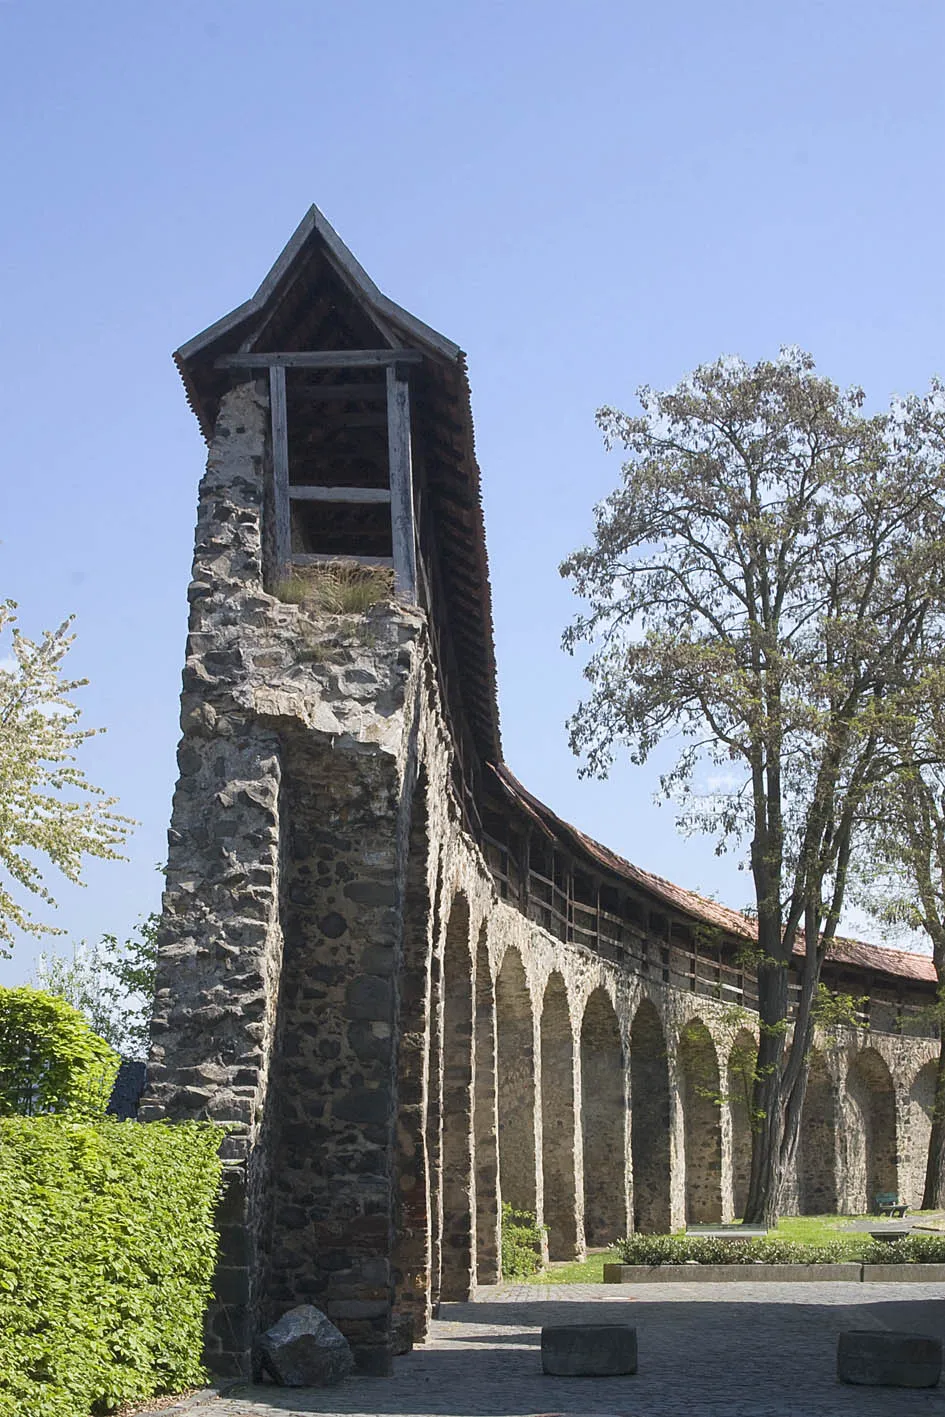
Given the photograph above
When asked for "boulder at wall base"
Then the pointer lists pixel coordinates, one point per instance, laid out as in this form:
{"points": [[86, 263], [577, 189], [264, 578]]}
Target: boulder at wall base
{"points": [[304, 1349]]}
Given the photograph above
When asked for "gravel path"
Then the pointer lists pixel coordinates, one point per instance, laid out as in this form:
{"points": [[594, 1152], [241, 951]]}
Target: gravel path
{"points": [[746, 1350]]}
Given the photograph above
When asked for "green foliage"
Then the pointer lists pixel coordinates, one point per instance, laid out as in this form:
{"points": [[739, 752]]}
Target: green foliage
{"points": [[522, 1238], [911, 1249], [48, 808], [111, 983], [107, 1251], [832, 1010], [709, 1249], [50, 1059]]}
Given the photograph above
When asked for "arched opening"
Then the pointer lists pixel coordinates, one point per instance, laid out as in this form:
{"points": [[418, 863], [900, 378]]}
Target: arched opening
{"points": [[741, 1080], [434, 1090], [921, 1107], [557, 1122], [603, 1123], [457, 1270], [487, 1154], [516, 1078], [411, 1254], [817, 1150], [649, 1122], [699, 1067], [872, 1166]]}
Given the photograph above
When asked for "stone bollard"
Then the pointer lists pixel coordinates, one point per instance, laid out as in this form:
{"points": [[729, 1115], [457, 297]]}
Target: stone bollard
{"points": [[880, 1359], [589, 1351]]}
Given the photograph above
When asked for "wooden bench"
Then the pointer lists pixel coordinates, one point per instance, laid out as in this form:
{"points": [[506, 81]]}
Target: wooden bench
{"points": [[888, 1203]]}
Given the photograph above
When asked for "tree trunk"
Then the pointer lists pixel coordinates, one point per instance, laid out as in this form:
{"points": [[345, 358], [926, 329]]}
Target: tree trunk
{"points": [[767, 1175], [934, 1195]]}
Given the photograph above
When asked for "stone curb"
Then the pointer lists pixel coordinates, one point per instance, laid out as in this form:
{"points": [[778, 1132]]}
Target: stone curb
{"points": [[904, 1273], [189, 1403], [773, 1273], [724, 1273]]}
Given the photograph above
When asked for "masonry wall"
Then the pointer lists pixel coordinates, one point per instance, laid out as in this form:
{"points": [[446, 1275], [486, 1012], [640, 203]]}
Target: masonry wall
{"points": [[395, 1050]]}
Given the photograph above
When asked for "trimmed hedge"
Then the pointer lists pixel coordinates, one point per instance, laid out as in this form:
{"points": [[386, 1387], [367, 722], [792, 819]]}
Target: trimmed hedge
{"points": [[51, 1060], [711, 1249], [107, 1250]]}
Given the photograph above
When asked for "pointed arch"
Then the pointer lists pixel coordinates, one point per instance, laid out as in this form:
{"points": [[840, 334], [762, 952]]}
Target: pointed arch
{"points": [[699, 1067], [515, 1032], [817, 1151], [921, 1107], [457, 1267], [412, 1248], [741, 1072], [557, 1121], [649, 1122], [603, 1122], [872, 1162], [487, 1153]]}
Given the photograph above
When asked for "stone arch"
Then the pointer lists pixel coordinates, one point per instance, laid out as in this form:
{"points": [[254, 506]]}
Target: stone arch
{"points": [[817, 1152], [921, 1107], [699, 1068], [741, 1073], [557, 1122], [457, 1262], [434, 1087], [412, 1249], [487, 1152], [603, 1122], [872, 1163], [515, 1033], [649, 1122]]}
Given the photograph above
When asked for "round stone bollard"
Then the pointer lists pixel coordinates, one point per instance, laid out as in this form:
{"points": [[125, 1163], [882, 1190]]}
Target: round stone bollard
{"points": [[875, 1358], [589, 1351]]}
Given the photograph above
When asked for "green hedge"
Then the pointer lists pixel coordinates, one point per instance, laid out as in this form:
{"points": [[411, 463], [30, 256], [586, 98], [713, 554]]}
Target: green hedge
{"points": [[711, 1249], [107, 1251]]}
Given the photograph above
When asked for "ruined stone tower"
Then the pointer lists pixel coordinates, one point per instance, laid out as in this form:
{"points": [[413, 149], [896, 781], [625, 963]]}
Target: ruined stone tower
{"points": [[406, 987]]}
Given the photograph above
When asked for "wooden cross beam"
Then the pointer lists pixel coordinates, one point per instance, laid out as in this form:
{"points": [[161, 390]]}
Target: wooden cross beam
{"points": [[321, 359]]}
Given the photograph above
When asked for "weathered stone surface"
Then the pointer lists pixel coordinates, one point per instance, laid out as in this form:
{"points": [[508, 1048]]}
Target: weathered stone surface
{"points": [[589, 1351], [304, 1349], [872, 1358]]}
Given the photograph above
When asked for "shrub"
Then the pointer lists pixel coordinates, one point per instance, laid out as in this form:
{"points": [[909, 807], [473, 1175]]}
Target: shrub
{"points": [[50, 1059], [911, 1249], [711, 1249], [107, 1250], [522, 1239]]}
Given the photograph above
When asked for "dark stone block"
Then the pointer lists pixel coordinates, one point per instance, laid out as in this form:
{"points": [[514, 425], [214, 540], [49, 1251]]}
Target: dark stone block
{"points": [[589, 1351], [873, 1358], [304, 1349], [370, 893]]}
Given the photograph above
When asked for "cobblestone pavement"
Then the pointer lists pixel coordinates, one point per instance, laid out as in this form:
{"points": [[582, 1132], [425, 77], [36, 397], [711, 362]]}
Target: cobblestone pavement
{"points": [[725, 1350]]}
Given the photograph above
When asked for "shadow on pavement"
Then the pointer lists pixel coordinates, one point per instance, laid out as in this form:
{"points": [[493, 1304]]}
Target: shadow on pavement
{"points": [[697, 1359]]}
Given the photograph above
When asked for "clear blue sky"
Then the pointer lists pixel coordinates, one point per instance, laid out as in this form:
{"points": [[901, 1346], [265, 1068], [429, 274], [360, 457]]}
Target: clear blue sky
{"points": [[584, 196]]}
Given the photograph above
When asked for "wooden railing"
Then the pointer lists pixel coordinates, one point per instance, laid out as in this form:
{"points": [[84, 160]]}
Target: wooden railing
{"points": [[550, 903]]}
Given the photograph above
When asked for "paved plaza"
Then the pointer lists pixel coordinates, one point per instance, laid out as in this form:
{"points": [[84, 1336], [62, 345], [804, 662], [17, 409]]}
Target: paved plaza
{"points": [[727, 1350]]}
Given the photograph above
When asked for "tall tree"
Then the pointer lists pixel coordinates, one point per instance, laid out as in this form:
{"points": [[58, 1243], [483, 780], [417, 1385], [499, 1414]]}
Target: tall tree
{"points": [[903, 878], [111, 984], [49, 811], [762, 586]]}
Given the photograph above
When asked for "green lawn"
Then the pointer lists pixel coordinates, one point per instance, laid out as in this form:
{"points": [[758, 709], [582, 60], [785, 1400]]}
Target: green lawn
{"points": [[806, 1229]]}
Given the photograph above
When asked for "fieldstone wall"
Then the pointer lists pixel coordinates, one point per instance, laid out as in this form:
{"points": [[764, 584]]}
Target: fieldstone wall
{"points": [[394, 1049]]}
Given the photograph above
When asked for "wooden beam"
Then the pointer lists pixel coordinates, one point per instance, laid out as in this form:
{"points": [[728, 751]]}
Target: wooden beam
{"points": [[401, 488], [320, 558], [320, 359], [282, 530], [339, 494]]}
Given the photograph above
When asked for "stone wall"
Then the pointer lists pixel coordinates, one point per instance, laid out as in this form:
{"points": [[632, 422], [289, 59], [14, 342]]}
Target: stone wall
{"points": [[394, 1049]]}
